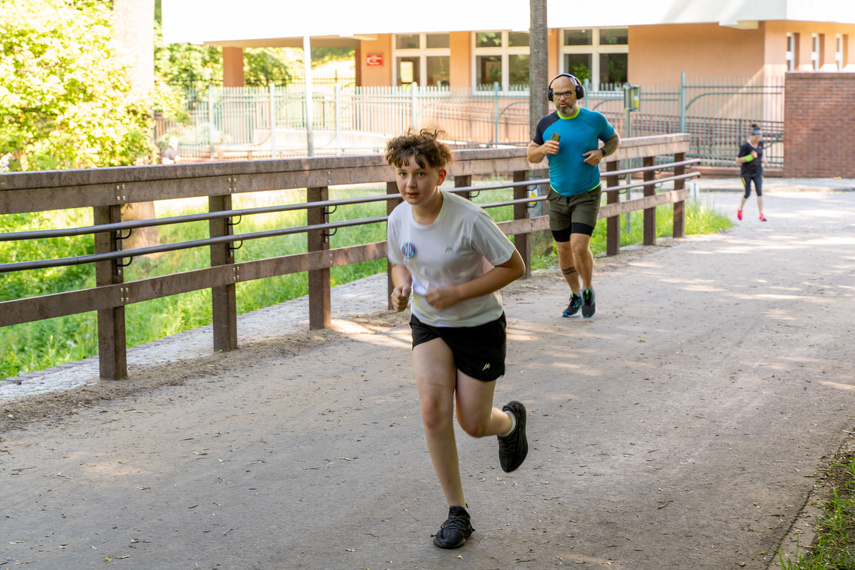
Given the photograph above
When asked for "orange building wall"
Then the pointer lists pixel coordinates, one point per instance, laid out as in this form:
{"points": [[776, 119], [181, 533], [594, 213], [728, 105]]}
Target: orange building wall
{"points": [[233, 67], [380, 76], [658, 54], [460, 60], [828, 46]]}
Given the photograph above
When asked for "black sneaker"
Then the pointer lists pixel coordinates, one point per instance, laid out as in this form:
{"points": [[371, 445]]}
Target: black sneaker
{"points": [[575, 306], [514, 447], [589, 304], [454, 531]]}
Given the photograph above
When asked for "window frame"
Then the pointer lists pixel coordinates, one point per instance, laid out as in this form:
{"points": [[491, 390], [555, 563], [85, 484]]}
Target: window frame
{"points": [[422, 53], [815, 51], [504, 51], [790, 54], [594, 49]]}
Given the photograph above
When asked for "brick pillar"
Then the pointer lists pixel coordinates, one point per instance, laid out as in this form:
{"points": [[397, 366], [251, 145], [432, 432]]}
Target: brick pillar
{"points": [[819, 123]]}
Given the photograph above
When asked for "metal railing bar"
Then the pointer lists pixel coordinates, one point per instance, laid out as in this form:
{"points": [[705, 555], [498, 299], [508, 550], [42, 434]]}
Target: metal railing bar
{"points": [[648, 182], [70, 232], [92, 258]]}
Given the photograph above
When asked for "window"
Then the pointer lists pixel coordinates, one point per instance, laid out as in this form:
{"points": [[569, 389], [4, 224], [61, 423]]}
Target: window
{"points": [[838, 51], [791, 52], [501, 58], [814, 53], [422, 59], [599, 55]]}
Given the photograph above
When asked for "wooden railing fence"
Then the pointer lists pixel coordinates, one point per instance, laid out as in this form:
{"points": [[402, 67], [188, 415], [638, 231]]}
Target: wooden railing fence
{"points": [[107, 190]]}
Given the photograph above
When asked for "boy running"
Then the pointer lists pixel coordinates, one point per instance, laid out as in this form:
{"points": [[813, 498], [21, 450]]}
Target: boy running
{"points": [[452, 257]]}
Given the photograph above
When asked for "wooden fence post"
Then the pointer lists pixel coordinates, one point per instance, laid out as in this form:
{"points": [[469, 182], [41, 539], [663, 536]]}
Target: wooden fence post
{"points": [[612, 223], [223, 297], [522, 241], [391, 188], [319, 279], [679, 207], [112, 354], [649, 213], [463, 180]]}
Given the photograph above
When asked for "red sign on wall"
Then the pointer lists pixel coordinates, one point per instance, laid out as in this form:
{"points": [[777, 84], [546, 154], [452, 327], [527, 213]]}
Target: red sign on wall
{"points": [[374, 60]]}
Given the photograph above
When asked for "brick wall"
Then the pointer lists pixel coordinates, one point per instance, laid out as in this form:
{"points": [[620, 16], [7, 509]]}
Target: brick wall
{"points": [[819, 125]]}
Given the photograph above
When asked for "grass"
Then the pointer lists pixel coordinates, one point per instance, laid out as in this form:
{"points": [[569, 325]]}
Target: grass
{"points": [[834, 545], [44, 344]]}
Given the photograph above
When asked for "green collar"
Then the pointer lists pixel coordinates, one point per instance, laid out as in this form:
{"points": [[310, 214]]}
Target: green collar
{"points": [[573, 116]]}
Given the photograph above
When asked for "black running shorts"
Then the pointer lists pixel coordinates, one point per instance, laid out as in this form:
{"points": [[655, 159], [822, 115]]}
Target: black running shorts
{"points": [[573, 214], [478, 351]]}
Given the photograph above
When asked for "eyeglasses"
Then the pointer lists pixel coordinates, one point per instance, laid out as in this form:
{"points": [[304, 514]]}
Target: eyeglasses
{"points": [[562, 95]]}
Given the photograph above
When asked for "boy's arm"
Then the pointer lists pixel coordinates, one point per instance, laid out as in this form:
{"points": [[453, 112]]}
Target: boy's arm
{"points": [[498, 277], [402, 279]]}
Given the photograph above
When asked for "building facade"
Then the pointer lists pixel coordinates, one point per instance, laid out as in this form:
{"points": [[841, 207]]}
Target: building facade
{"points": [[473, 45]]}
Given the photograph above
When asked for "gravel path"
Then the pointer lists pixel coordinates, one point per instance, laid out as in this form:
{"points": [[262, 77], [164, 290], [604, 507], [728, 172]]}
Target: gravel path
{"points": [[682, 427]]}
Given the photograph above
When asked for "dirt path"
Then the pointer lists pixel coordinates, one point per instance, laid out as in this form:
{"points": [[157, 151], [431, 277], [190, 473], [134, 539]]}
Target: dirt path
{"points": [[679, 428]]}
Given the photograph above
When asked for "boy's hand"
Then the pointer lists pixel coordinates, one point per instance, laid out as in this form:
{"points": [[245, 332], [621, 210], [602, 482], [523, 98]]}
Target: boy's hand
{"points": [[441, 299], [401, 297]]}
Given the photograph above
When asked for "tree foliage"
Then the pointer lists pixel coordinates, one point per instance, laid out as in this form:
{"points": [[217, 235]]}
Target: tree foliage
{"points": [[263, 67], [186, 65], [65, 100]]}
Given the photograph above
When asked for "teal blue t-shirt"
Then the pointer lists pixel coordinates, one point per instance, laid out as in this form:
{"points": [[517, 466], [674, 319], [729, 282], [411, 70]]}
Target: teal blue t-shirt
{"points": [[569, 174]]}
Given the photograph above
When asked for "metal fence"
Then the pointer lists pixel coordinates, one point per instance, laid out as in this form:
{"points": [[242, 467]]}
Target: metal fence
{"points": [[254, 122]]}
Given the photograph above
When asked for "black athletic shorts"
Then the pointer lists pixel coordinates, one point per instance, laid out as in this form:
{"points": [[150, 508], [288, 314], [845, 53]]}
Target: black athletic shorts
{"points": [[478, 351], [573, 214]]}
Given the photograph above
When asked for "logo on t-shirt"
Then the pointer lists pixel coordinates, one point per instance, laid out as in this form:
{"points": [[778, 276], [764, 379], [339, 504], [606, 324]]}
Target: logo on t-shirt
{"points": [[409, 250]]}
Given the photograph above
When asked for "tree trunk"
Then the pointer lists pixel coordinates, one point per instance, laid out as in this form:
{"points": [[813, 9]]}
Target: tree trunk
{"points": [[538, 104], [133, 31]]}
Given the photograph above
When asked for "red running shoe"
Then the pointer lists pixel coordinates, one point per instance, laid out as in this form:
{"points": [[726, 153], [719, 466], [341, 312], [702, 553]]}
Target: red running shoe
{"points": [[762, 218], [739, 215]]}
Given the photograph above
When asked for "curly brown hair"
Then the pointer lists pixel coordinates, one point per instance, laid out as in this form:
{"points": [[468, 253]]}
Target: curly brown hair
{"points": [[424, 146]]}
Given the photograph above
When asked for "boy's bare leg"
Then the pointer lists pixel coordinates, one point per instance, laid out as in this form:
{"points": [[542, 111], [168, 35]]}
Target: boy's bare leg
{"points": [[475, 411], [436, 379]]}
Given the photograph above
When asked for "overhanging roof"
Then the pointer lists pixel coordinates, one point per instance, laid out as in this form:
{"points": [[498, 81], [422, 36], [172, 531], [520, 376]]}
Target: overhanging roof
{"points": [[257, 23]]}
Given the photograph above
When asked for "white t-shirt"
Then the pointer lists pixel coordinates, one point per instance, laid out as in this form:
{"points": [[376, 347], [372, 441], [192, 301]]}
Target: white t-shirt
{"points": [[462, 244]]}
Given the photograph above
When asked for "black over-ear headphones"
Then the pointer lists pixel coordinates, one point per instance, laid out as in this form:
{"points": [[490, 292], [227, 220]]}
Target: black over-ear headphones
{"points": [[580, 91]]}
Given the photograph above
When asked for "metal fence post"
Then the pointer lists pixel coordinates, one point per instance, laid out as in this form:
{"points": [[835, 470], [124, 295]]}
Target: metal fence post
{"points": [[682, 101], [414, 88], [223, 297], [272, 121], [319, 279], [337, 110], [112, 354], [211, 119], [495, 141]]}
